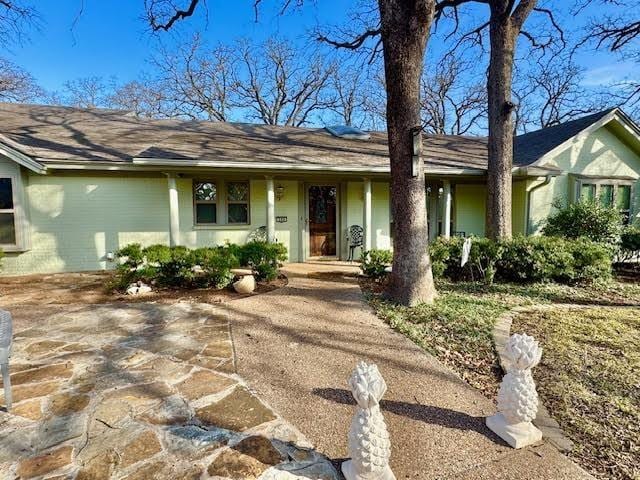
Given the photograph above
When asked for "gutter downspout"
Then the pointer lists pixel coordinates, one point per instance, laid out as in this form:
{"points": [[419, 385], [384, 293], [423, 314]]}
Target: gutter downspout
{"points": [[546, 182]]}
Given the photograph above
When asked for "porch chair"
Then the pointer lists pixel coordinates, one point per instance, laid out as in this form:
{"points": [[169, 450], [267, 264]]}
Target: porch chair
{"points": [[355, 237], [6, 335]]}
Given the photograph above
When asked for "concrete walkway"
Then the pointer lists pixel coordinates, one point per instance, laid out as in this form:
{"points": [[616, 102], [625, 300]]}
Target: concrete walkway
{"points": [[297, 346]]}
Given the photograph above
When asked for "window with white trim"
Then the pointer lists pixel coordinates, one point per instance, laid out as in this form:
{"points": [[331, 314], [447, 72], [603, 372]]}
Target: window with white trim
{"points": [[7, 212]]}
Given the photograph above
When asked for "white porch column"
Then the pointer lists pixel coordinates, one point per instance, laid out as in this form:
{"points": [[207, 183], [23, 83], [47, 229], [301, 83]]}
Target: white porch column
{"points": [[446, 187], [271, 211], [367, 214], [174, 211]]}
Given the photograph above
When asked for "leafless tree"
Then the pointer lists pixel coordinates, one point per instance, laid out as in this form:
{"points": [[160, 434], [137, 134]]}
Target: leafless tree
{"points": [[280, 85], [15, 15], [357, 96], [619, 33], [505, 24], [144, 98], [551, 92], [402, 30], [16, 84], [451, 102], [84, 92], [198, 81]]}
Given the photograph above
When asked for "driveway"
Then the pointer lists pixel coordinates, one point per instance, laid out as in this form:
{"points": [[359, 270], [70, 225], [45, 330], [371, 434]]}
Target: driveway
{"points": [[297, 346]]}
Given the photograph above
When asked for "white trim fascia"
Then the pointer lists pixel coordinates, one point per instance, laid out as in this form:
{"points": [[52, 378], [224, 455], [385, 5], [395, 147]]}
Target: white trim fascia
{"points": [[276, 166], [22, 159], [615, 114]]}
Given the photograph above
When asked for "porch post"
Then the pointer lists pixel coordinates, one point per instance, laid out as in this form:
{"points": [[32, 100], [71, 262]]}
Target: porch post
{"points": [[271, 211], [174, 211], [367, 214], [446, 186]]}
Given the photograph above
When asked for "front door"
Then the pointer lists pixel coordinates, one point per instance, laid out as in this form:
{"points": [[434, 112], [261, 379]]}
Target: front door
{"points": [[322, 220]]}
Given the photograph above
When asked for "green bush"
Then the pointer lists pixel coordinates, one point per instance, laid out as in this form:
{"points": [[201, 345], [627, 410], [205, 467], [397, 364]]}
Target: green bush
{"points": [[216, 265], [373, 262], [263, 258], [203, 267], [590, 220], [629, 243], [523, 260]]}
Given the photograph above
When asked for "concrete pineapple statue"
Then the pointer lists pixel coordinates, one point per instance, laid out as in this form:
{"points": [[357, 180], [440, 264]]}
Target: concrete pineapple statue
{"points": [[517, 397], [369, 446]]}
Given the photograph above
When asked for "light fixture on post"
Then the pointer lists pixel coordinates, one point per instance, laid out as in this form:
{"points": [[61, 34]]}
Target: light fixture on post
{"points": [[279, 192]]}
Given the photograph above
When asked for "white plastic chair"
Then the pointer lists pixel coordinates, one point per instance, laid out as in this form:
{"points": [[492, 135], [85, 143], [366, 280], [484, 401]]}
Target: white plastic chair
{"points": [[6, 336]]}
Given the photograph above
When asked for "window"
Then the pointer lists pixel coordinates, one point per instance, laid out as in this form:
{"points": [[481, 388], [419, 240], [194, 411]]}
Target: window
{"points": [[206, 203], [609, 192], [587, 192], [238, 202], [606, 195], [623, 202], [7, 213]]}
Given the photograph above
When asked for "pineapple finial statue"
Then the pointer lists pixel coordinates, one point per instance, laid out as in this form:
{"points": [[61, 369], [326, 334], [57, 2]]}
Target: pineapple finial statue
{"points": [[369, 446], [517, 397]]}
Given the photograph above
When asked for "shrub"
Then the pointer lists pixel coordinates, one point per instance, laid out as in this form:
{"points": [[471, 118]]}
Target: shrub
{"points": [[523, 260], [629, 243], [216, 265], [202, 267], [585, 219], [263, 258], [373, 262]]}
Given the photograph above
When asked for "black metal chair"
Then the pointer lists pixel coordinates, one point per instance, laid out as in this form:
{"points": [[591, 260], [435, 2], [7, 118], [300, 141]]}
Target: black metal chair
{"points": [[355, 237]]}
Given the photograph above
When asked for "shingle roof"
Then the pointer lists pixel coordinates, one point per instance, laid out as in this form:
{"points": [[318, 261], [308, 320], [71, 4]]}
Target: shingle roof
{"points": [[54, 134], [529, 147]]}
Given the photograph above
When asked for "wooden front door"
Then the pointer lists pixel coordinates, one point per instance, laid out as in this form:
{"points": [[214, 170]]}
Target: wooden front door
{"points": [[322, 220]]}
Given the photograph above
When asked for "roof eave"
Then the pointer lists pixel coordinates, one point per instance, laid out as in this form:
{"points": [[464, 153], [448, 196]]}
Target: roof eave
{"points": [[22, 159]]}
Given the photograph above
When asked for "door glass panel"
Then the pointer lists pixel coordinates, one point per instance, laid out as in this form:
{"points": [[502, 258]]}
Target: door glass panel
{"points": [[606, 195], [7, 229]]}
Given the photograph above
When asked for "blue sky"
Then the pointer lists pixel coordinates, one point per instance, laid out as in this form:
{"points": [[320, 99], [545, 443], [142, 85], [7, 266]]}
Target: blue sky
{"points": [[110, 38]]}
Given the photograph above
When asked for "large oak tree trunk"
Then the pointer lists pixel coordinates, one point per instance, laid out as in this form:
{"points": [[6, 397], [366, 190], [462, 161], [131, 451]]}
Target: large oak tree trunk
{"points": [[499, 184], [405, 31]]}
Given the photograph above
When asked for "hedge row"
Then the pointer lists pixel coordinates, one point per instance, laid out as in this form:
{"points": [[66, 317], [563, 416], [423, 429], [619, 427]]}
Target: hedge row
{"points": [[196, 268], [520, 260]]}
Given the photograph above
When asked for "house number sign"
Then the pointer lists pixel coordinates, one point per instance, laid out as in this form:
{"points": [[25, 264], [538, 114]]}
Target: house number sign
{"points": [[281, 219]]}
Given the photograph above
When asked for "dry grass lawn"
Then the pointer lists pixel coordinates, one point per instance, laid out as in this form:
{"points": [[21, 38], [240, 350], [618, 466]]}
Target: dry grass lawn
{"points": [[589, 378]]}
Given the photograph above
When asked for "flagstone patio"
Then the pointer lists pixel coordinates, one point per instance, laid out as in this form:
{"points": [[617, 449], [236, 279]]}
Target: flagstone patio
{"points": [[137, 391]]}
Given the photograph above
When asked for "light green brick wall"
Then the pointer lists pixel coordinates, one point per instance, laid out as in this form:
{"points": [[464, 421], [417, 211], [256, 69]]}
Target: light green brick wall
{"points": [[76, 219], [601, 153]]}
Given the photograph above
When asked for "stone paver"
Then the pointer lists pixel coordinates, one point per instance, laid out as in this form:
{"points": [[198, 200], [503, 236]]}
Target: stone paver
{"points": [[297, 346], [139, 391]]}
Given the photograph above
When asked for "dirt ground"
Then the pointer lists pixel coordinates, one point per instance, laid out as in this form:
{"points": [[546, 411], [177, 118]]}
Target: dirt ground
{"points": [[91, 288]]}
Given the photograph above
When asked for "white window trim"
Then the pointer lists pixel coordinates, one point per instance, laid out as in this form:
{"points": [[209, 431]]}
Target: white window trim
{"points": [[20, 223]]}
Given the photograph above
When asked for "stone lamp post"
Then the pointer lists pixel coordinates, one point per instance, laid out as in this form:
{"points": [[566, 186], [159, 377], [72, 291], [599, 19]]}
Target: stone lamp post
{"points": [[6, 336], [369, 446], [517, 397]]}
